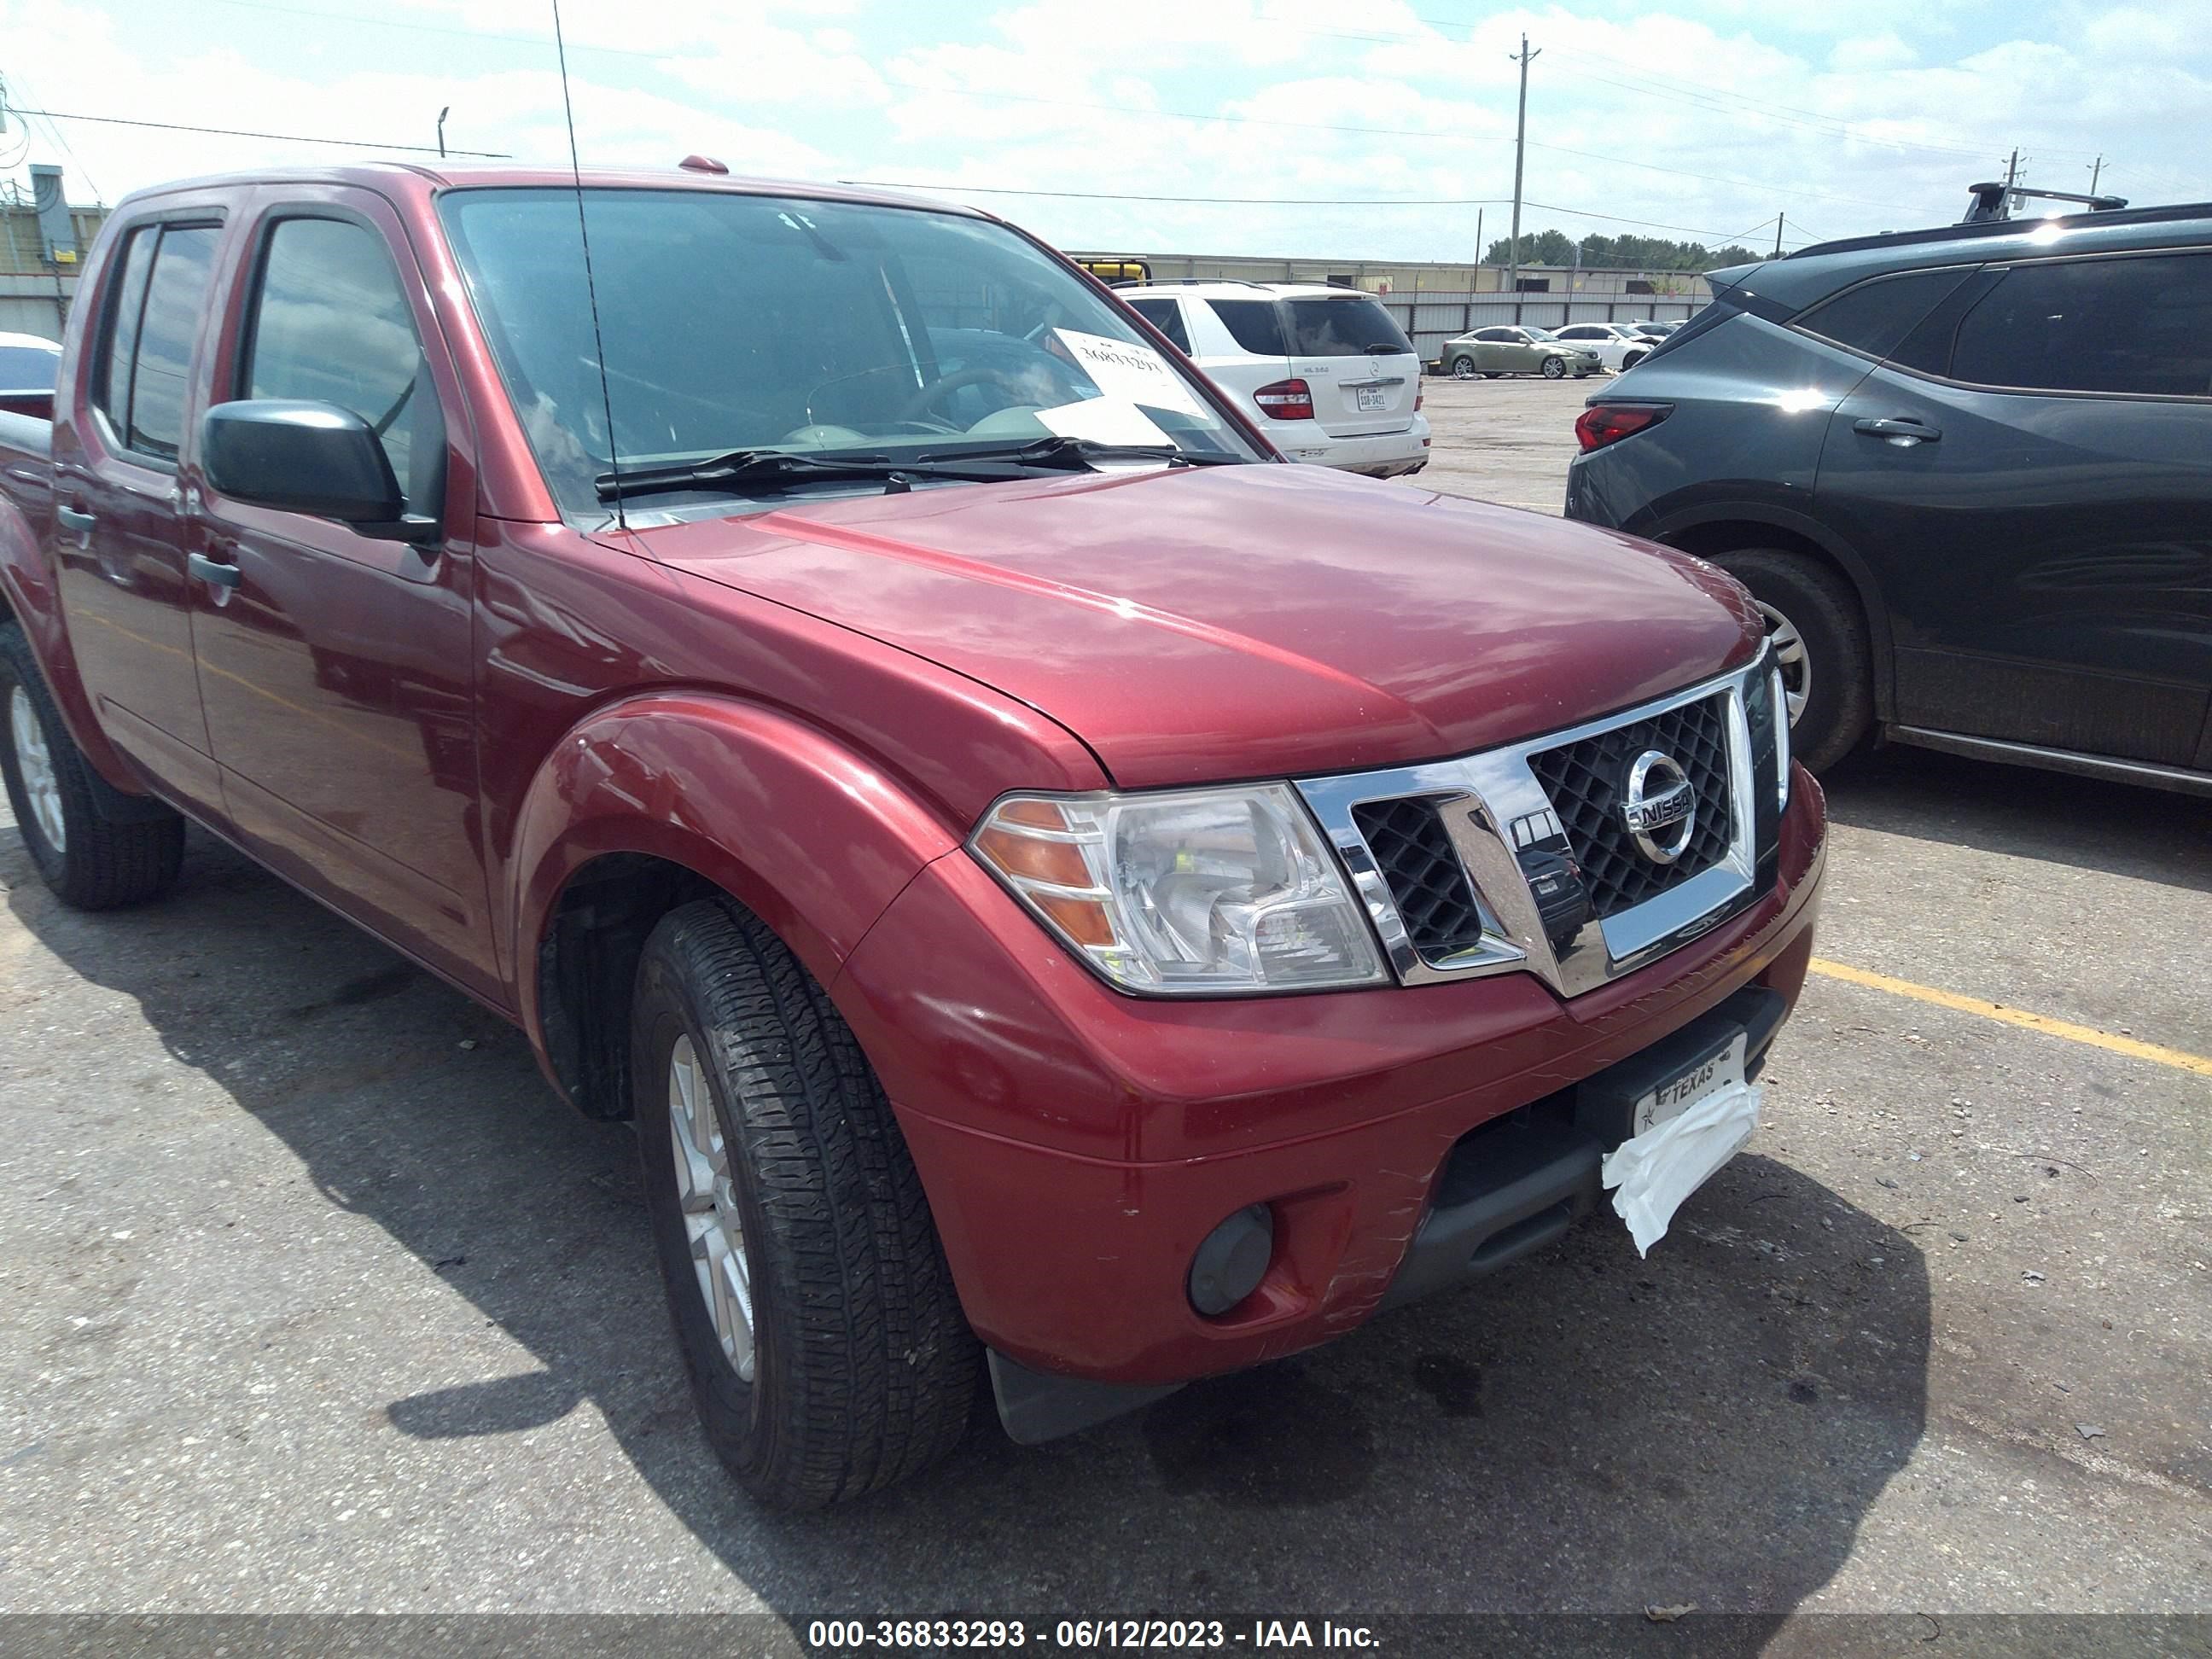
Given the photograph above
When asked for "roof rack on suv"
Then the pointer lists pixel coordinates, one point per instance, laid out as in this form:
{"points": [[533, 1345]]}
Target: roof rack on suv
{"points": [[1194, 281], [1993, 203], [1972, 228]]}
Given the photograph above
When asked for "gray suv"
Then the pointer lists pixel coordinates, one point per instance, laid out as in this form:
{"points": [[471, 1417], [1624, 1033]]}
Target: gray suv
{"points": [[1966, 474]]}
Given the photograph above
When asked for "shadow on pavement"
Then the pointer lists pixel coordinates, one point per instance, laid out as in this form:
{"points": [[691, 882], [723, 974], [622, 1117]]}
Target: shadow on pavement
{"points": [[1586, 1432], [2121, 829]]}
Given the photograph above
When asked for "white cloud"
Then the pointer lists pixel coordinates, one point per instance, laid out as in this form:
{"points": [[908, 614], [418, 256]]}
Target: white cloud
{"points": [[1710, 114]]}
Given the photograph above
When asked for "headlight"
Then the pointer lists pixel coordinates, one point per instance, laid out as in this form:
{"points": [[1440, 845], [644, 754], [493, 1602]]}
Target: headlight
{"points": [[1192, 892]]}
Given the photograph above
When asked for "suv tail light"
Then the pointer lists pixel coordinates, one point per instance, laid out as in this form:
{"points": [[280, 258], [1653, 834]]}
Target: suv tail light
{"points": [[1608, 423], [1285, 400]]}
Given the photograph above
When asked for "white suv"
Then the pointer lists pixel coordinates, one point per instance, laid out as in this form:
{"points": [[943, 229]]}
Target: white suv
{"points": [[1618, 345], [1325, 372]]}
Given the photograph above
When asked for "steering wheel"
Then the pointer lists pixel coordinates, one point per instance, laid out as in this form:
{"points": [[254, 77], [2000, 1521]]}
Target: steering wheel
{"points": [[928, 398]]}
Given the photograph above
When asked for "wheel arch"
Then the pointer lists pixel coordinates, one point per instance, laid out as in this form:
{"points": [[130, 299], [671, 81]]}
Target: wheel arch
{"points": [[1715, 531], [671, 797]]}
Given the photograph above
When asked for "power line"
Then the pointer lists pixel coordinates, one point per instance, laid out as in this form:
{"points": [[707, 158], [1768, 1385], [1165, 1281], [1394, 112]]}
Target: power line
{"points": [[1274, 201], [1429, 133], [239, 133], [61, 138]]}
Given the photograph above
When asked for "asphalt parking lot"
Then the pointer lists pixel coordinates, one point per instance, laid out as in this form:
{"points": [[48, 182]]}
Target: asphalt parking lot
{"points": [[318, 1301]]}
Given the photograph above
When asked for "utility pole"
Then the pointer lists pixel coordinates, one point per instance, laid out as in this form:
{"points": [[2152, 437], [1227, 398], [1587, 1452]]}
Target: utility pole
{"points": [[2095, 172], [1520, 145], [442, 114], [2012, 172], [1778, 218]]}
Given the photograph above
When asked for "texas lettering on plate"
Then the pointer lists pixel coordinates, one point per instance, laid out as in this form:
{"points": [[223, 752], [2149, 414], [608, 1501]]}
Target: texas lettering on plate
{"points": [[1722, 1069]]}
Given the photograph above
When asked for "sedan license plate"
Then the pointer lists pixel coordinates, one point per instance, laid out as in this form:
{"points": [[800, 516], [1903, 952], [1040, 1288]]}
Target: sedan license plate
{"points": [[1721, 1069], [1372, 398]]}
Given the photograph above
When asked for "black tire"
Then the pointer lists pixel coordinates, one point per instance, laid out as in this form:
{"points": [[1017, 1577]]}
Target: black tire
{"points": [[1797, 590], [1493, 373], [1463, 369], [1554, 368], [865, 1369], [102, 863], [1631, 360]]}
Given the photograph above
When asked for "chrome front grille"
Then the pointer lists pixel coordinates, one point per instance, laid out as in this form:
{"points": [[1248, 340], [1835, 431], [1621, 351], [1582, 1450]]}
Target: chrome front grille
{"points": [[1522, 859], [1414, 854], [1584, 780]]}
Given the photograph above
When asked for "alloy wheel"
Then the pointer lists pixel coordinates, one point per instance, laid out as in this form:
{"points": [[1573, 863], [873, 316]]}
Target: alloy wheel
{"points": [[35, 763], [1463, 369], [1791, 657], [709, 1200]]}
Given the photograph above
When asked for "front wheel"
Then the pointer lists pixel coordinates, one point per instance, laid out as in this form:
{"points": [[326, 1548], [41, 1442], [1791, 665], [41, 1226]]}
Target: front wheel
{"points": [[1463, 369], [828, 1353], [92, 861], [1554, 368], [1819, 639]]}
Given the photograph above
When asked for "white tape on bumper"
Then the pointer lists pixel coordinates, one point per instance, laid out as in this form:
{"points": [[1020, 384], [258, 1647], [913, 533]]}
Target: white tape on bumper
{"points": [[1652, 1173]]}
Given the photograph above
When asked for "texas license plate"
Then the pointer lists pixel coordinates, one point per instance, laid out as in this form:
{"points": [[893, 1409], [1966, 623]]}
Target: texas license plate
{"points": [[1721, 1069], [1372, 399]]}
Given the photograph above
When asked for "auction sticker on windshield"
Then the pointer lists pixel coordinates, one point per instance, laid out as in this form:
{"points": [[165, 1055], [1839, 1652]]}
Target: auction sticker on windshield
{"points": [[1121, 368]]}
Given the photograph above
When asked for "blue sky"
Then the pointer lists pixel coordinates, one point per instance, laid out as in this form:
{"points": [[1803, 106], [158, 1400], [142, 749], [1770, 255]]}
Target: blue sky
{"points": [[1702, 119]]}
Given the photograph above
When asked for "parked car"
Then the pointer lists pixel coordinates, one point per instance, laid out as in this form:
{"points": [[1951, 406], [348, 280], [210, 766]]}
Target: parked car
{"points": [[1967, 475], [1514, 349], [28, 364], [1656, 330], [1326, 372], [1100, 912], [1619, 346]]}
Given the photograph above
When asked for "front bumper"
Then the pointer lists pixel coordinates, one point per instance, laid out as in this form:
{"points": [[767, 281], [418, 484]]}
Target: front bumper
{"points": [[1077, 1144]]}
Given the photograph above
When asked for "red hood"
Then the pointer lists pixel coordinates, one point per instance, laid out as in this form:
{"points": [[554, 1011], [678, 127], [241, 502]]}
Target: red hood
{"points": [[1208, 624]]}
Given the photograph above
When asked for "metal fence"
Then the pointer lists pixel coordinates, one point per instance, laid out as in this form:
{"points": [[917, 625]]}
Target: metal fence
{"points": [[1430, 318]]}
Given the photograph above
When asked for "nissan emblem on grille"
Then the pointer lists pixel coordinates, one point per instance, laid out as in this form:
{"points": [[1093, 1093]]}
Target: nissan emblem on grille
{"points": [[1659, 806]]}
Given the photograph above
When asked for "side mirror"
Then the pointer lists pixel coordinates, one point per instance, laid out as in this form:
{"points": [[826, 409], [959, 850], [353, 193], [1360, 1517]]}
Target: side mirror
{"points": [[307, 457]]}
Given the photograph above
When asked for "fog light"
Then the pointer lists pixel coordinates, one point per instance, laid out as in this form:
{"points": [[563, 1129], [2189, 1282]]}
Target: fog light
{"points": [[1230, 1265]]}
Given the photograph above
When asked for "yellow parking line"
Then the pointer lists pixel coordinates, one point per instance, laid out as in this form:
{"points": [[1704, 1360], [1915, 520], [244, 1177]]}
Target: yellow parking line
{"points": [[2179, 1059]]}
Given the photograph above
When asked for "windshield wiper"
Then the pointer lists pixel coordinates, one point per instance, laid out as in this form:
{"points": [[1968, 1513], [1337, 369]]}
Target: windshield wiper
{"points": [[752, 468], [1062, 453], [743, 468]]}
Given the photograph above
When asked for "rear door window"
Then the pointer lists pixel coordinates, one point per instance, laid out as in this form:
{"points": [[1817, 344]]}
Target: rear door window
{"points": [[1166, 316], [161, 368], [1343, 328], [1874, 317], [2140, 325], [1253, 325]]}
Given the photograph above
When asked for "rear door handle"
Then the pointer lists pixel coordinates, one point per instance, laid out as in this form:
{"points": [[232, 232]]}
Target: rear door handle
{"points": [[75, 518], [207, 570], [1903, 429]]}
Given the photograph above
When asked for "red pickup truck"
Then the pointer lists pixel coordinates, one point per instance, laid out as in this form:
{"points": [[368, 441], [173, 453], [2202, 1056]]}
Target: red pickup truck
{"points": [[1059, 890]]}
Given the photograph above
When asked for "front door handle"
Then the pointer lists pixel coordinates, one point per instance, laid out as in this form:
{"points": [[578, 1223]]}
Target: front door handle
{"points": [[74, 519], [1903, 430], [207, 570]]}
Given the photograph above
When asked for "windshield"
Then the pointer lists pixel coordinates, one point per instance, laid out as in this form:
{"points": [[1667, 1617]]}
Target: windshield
{"points": [[1544, 337], [28, 368], [749, 323]]}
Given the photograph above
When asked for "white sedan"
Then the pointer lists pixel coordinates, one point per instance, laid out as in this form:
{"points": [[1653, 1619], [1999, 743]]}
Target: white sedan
{"points": [[1618, 345]]}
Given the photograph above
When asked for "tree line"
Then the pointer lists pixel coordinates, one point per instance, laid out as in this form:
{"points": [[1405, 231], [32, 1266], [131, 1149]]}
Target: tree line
{"points": [[1553, 247]]}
